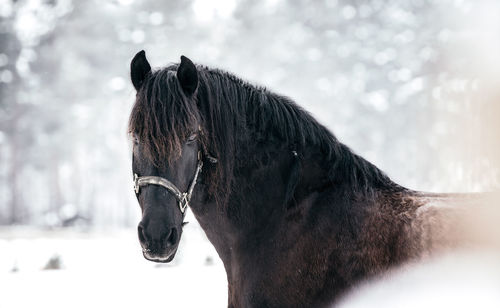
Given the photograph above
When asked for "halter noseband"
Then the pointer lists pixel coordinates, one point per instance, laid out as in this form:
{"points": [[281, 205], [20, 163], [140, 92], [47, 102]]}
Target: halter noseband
{"points": [[182, 198]]}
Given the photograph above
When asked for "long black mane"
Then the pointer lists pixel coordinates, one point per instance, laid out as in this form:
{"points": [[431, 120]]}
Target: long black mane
{"points": [[238, 117]]}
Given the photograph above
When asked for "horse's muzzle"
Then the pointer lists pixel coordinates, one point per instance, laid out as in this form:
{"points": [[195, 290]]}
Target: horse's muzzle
{"points": [[159, 244]]}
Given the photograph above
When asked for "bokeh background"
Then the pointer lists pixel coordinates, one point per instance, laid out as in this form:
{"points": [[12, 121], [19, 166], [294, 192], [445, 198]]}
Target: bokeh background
{"points": [[411, 85]]}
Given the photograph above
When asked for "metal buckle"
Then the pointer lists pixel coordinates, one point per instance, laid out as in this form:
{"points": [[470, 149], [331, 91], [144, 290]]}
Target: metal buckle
{"points": [[183, 203], [136, 183]]}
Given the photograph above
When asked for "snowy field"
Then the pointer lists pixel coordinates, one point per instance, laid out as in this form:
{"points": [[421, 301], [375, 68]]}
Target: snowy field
{"points": [[105, 269], [463, 279], [64, 268]]}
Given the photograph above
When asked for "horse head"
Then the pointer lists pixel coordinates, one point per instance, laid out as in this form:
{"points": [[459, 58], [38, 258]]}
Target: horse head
{"points": [[166, 159]]}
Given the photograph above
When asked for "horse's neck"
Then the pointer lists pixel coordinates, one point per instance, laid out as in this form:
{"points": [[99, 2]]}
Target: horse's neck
{"points": [[277, 182], [262, 226], [268, 240], [265, 186]]}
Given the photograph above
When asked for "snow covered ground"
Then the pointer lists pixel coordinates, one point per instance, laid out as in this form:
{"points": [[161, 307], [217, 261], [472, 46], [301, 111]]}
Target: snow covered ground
{"points": [[462, 279], [105, 269]]}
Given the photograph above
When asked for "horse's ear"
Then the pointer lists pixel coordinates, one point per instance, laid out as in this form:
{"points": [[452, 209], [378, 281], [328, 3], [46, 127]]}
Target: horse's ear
{"points": [[139, 68], [187, 75]]}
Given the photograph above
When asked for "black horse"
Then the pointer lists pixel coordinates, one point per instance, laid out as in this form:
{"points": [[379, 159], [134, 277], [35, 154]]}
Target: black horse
{"points": [[296, 217]]}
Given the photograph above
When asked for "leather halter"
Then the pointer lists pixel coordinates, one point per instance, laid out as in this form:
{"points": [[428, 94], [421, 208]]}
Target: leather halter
{"points": [[183, 198]]}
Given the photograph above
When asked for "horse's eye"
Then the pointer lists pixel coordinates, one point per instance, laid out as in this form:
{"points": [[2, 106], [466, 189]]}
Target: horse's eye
{"points": [[192, 138]]}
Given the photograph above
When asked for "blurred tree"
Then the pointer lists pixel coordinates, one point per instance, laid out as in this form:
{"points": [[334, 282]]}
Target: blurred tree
{"points": [[10, 113], [383, 75]]}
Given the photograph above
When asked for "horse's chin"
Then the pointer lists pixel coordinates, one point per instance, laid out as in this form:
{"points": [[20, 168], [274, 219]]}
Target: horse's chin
{"points": [[160, 258]]}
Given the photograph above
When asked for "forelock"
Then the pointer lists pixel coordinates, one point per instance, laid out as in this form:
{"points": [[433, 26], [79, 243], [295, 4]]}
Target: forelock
{"points": [[162, 116]]}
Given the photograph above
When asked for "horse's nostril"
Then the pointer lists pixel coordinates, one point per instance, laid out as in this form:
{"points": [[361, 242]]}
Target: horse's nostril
{"points": [[156, 236], [172, 237], [142, 236]]}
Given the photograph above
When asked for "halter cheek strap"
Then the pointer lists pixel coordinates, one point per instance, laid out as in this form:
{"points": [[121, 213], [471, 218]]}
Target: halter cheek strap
{"points": [[183, 198]]}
